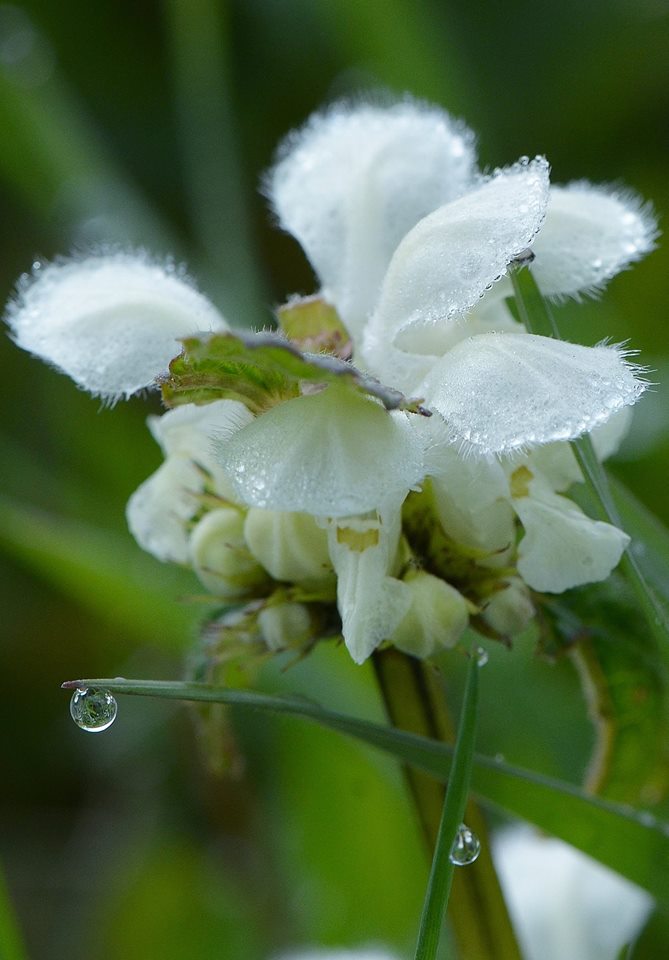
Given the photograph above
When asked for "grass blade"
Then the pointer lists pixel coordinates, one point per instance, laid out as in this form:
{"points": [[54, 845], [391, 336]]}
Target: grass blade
{"points": [[441, 873], [634, 843]]}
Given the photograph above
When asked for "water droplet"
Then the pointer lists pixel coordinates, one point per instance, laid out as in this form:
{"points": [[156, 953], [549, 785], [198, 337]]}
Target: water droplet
{"points": [[466, 847], [93, 710], [481, 656]]}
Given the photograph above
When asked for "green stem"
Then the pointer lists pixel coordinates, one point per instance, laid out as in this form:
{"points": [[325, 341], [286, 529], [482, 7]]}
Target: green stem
{"points": [[199, 36], [539, 319], [414, 697], [11, 944]]}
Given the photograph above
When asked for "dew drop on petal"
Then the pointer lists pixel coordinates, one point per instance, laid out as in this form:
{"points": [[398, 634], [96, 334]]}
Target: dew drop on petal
{"points": [[466, 847], [93, 710]]}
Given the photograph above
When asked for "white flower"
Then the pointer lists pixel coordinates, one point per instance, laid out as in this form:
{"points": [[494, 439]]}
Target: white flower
{"points": [[564, 904], [412, 246], [317, 953]]}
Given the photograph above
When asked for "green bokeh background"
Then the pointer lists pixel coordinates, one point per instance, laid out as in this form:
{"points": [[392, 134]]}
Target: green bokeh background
{"points": [[150, 124]]}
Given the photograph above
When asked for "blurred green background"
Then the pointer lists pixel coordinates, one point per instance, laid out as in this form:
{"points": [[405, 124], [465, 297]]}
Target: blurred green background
{"points": [[150, 124]]}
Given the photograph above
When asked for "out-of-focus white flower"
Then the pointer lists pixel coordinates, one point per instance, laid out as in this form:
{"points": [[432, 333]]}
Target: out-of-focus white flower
{"points": [[562, 903], [361, 953]]}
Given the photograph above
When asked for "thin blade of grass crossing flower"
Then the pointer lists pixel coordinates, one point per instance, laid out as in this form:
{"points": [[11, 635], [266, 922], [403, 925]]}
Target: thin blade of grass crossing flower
{"points": [[441, 873], [633, 842]]}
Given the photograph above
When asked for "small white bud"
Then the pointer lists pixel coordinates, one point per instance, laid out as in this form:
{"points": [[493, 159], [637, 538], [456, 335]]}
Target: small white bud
{"points": [[290, 546], [220, 556], [284, 625], [437, 616], [509, 610]]}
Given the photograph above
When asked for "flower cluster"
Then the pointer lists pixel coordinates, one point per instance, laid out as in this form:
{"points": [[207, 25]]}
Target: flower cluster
{"points": [[301, 480]]}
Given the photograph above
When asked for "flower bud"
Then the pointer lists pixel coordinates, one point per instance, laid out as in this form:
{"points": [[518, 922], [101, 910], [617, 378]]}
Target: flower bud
{"points": [[437, 616], [220, 556], [284, 625], [509, 610], [290, 546]]}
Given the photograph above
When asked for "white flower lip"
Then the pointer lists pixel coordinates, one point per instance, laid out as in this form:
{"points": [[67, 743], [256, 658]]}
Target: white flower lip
{"points": [[502, 393], [332, 454], [111, 322]]}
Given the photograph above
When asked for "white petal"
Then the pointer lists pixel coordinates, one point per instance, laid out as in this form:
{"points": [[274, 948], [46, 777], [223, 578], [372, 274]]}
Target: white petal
{"points": [[159, 511], [331, 454], [557, 463], [472, 501], [110, 322], [187, 431], [564, 904], [290, 546], [590, 234], [355, 179], [437, 616], [505, 392], [444, 265], [562, 547], [371, 603]]}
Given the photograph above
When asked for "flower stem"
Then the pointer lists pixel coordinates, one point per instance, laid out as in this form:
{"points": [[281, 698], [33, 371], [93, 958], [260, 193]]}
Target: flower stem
{"points": [[415, 700], [539, 319]]}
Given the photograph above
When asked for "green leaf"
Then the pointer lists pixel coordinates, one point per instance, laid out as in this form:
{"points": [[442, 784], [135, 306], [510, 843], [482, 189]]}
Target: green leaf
{"points": [[632, 842], [457, 792], [625, 684], [262, 370]]}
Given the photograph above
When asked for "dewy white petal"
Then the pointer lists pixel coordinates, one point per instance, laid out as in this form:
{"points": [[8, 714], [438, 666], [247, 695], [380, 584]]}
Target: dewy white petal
{"points": [[110, 322], [355, 179], [331, 454], [159, 510], [590, 234], [562, 547], [371, 603], [190, 429], [292, 547], [472, 501], [444, 265], [557, 463], [501, 393], [564, 904]]}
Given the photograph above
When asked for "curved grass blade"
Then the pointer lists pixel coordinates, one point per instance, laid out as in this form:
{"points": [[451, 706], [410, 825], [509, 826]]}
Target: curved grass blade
{"points": [[634, 843]]}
